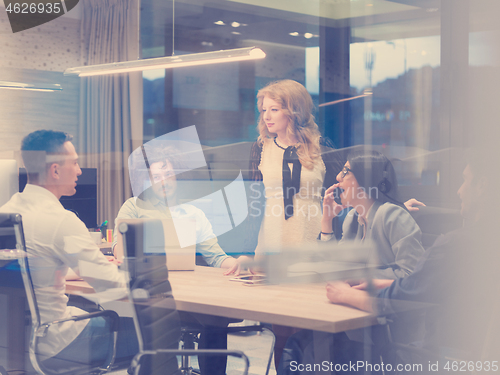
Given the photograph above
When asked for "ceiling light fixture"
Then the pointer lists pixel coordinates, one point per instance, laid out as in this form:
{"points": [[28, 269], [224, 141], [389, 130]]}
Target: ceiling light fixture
{"points": [[308, 35], [193, 59], [45, 87], [294, 33], [235, 24], [365, 93], [220, 23], [167, 62]]}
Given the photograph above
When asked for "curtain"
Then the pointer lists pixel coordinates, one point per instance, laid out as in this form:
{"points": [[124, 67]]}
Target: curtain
{"points": [[110, 105]]}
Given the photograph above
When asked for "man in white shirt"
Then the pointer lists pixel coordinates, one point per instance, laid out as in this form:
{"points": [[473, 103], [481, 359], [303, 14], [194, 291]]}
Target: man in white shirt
{"points": [[57, 240]]}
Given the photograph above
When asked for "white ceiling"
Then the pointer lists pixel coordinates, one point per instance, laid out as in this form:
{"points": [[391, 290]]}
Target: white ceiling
{"points": [[332, 9]]}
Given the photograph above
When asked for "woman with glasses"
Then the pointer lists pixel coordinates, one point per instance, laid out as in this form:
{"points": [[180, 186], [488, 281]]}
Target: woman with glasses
{"points": [[368, 184]]}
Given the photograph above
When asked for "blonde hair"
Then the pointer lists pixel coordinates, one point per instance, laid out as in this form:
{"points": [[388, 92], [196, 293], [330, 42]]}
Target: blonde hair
{"points": [[297, 105]]}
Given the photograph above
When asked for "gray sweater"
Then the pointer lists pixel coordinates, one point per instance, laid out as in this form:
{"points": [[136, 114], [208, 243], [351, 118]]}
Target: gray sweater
{"points": [[396, 238]]}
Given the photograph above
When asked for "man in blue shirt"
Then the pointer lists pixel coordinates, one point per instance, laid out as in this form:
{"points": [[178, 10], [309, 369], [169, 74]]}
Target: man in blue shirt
{"points": [[160, 201]]}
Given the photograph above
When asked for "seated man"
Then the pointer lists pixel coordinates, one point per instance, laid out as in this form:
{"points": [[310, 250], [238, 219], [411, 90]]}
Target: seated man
{"points": [[160, 201], [457, 277], [56, 240]]}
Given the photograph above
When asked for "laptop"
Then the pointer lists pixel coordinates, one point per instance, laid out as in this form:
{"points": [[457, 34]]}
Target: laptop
{"points": [[164, 237]]}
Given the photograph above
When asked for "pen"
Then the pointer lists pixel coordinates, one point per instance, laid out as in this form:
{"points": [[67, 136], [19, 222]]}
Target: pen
{"points": [[104, 223]]}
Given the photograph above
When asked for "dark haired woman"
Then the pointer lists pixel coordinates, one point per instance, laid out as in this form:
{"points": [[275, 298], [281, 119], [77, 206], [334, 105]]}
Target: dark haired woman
{"points": [[368, 184]]}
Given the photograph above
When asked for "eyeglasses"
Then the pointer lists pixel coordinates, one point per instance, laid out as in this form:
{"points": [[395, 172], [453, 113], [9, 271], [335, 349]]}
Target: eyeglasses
{"points": [[345, 171]]}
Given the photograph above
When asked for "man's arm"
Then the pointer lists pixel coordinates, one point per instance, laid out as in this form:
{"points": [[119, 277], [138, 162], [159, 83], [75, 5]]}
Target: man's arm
{"points": [[355, 296], [207, 243], [343, 293], [78, 251], [212, 252]]}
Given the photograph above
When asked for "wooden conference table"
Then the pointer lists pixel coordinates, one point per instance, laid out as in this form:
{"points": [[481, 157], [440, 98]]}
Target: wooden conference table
{"points": [[207, 291]]}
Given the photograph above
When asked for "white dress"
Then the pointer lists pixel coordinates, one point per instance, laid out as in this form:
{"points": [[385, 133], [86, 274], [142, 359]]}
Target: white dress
{"points": [[276, 233]]}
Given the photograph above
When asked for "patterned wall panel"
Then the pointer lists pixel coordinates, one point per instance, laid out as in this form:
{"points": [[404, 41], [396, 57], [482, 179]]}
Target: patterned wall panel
{"points": [[24, 111], [53, 46], [38, 55]]}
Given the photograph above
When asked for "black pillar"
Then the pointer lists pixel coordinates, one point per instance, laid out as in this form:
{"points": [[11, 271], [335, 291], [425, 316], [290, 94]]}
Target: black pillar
{"points": [[335, 119]]}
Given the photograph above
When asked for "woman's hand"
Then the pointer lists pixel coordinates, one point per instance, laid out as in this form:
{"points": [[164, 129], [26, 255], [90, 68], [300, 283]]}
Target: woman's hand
{"points": [[233, 265], [411, 204], [331, 208]]}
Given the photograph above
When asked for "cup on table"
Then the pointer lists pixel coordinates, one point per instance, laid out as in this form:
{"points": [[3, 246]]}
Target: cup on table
{"points": [[97, 237]]}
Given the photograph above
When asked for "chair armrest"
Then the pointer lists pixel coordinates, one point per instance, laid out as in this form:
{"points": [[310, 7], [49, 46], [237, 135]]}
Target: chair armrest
{"points": [[106, 313]]}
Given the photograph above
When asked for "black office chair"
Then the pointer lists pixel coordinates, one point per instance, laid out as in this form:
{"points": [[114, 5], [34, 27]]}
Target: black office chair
{"points": [[155, 316], [12, 236], [434, 221]]}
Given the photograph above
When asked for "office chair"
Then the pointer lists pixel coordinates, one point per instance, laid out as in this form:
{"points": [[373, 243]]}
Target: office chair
{"points": [[12, 236], [155, 316], [434, 221], [191, 335]]}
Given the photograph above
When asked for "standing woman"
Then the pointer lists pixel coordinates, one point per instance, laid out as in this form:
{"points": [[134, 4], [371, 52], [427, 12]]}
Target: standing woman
{"points": [[292, 167], [295, 165]]}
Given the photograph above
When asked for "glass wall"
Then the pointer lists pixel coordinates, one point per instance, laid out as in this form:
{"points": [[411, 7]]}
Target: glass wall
{"points": [[414, 79], [371, 67]]}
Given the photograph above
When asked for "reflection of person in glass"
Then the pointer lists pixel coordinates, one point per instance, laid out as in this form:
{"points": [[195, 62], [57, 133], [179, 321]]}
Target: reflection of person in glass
{"points": [[160, 202], [368, 184]]}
